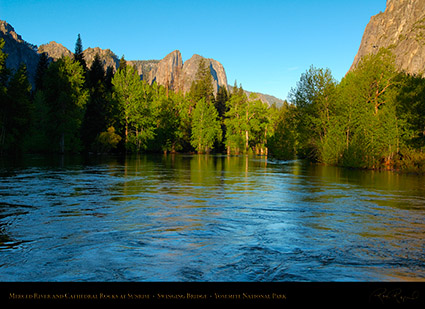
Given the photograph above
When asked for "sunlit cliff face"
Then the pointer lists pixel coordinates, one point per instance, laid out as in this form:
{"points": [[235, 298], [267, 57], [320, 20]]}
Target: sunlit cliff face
{"points": [[401, 28]]}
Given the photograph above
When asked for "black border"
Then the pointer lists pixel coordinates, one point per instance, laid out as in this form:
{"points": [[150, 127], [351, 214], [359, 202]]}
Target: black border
{"points": [[245, 293]]}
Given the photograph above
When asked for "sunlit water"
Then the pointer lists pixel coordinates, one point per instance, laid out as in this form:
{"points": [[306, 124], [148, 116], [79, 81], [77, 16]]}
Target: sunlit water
{"points": [[207, 218]]}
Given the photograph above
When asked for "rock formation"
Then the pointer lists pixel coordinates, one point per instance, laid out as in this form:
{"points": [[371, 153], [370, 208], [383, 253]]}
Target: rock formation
{"points": [[18, 51], [170, 71], [54, 50], [190, 68], [173, 73], [402, 29], [107, 57], [145, 68]]}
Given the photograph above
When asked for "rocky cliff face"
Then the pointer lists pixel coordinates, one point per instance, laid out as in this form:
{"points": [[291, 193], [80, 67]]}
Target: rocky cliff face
{"points": [[54, 50], [170, 71], [145, 68], [18, 50], [190, 68], [108, 58], [402, 29]]}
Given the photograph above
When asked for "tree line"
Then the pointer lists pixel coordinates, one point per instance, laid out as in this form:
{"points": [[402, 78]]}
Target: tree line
{"points": [[74, 109], [373, 118]]}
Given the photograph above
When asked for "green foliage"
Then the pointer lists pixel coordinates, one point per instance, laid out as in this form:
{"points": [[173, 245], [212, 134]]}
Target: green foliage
{"points": [[78, 53], [205, 126], [373, 118], [97, 115], [235, 122], [202, 87], [66, 98], [16, 110], [4, 72], [411, 109], [283, 142], [368, 112], [107, 141], [167, 125], [39, 140], [134, 106], [43, 64], [313, 97], [258, 125]]}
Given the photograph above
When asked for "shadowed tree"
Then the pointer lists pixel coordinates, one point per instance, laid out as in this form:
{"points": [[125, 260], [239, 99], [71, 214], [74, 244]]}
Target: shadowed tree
{"points": [[78, 53], [66, 98]]}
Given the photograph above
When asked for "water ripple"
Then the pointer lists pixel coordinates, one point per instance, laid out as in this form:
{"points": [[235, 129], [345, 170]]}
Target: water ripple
{"points": [[208, 218]]}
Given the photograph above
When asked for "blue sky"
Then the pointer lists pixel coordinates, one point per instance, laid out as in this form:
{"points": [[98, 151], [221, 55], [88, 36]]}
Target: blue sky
{"points": [[263, 45]]}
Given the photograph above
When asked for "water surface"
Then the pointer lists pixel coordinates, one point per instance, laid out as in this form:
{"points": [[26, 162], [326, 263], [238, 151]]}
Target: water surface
{"points": [[207, 218]]}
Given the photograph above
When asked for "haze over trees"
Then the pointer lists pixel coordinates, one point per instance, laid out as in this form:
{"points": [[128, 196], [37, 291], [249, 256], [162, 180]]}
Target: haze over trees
{"points": [[373, 118]]}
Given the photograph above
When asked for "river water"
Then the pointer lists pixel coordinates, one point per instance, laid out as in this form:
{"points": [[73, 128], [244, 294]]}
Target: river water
{"points": [[207, 218]]}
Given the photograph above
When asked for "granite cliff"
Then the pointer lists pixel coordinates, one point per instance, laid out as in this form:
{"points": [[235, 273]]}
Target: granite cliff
{"points": [[400, 28], [54, 50], [190, 69], [170, 71], [18, 50]]}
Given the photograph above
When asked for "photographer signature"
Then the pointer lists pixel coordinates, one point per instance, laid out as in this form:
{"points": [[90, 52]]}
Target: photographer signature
{"points": [[397, 295]]}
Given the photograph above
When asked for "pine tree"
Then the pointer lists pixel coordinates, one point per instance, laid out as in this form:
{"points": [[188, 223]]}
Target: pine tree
{"points": [[167, 123], [202, 87], [78, 53], [235, 121], [411, 109], [43, 64], [96, 115], [220, 104], [4, 76], [4, 71], [17, 110], [66, 98]]}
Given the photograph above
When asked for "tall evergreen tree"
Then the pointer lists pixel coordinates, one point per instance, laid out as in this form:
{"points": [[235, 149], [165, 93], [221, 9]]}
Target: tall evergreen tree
{"points": [[221, 106], [235, 121], [167, 123], [43, 64], [4, 71], [4, 76], [411, 109], [17, 109], [66, 98], [78, 53], [96, 115], [202, 86]]}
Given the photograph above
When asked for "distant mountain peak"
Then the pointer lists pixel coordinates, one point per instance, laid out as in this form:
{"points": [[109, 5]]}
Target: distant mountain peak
{"points": [[54, 50], [170, 71]]}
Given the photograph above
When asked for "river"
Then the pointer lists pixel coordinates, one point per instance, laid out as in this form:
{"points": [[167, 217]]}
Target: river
{"points": [[207, 218]]}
